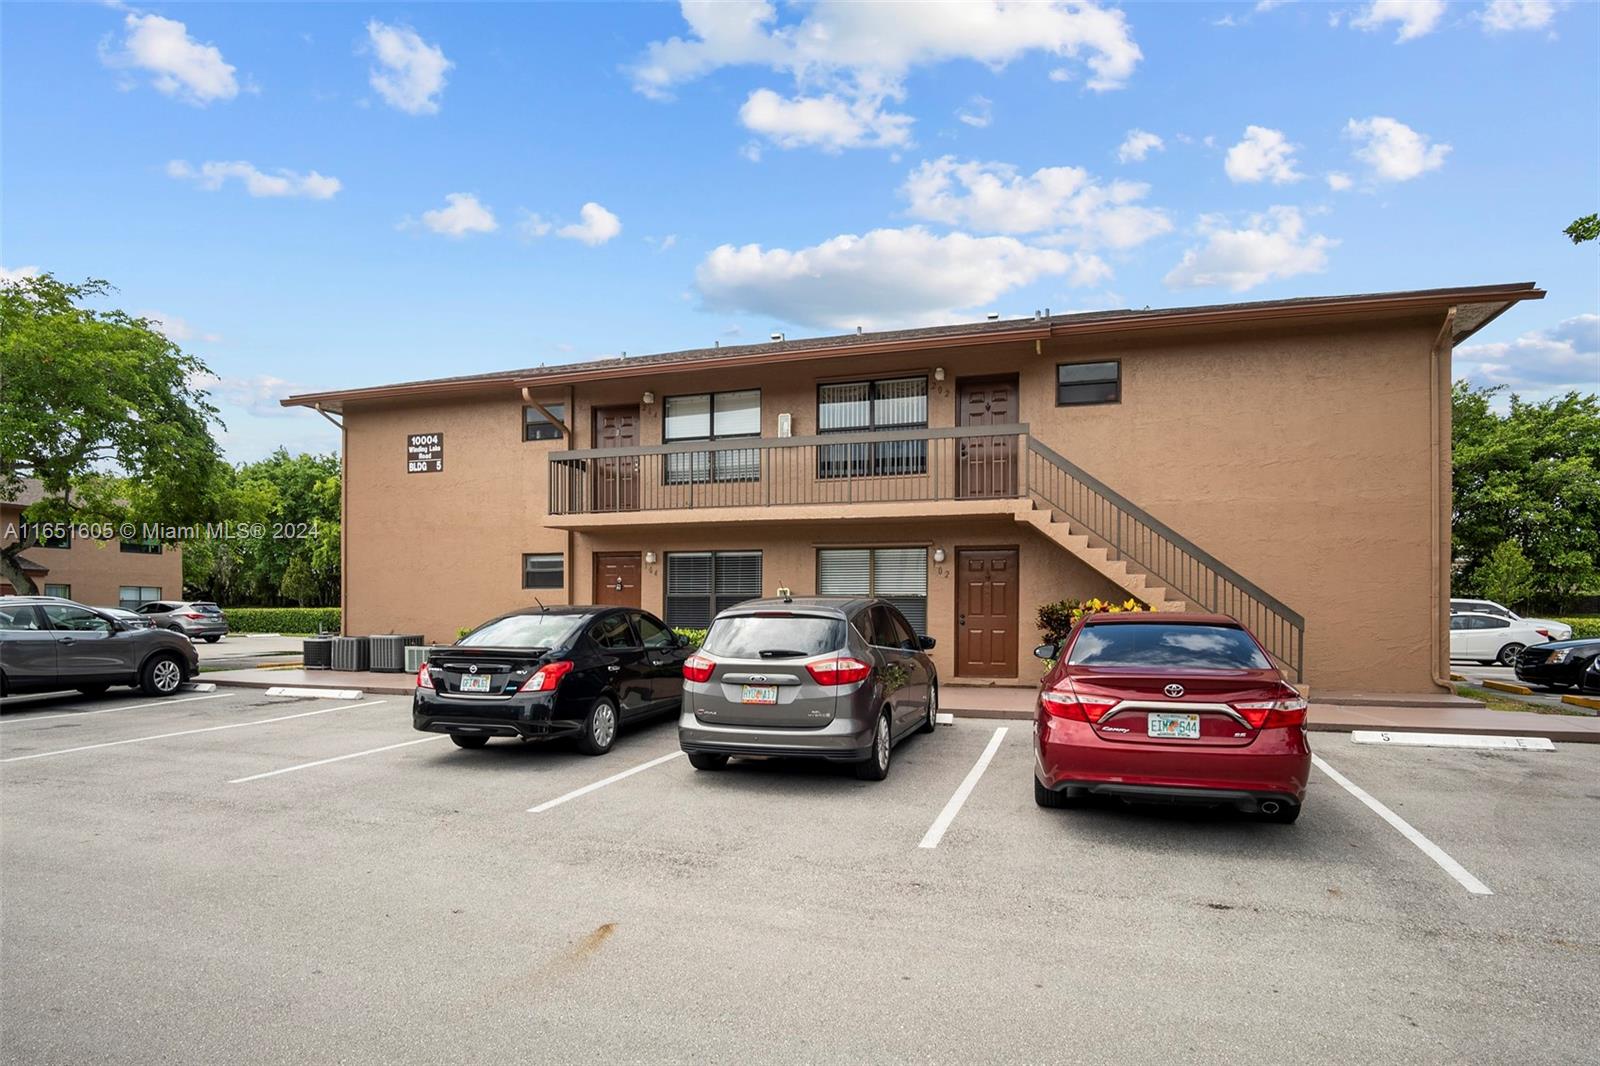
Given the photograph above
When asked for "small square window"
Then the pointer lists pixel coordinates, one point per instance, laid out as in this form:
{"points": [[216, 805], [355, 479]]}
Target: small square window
{"points": [[1080, 383], [535, 426], [543, 572], [140, 547], [64, 591]]}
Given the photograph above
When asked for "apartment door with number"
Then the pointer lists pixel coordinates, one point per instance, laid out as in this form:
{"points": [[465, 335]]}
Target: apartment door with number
{"points": [[616, 481], [986, 612], [616, 579], [987, 465]]}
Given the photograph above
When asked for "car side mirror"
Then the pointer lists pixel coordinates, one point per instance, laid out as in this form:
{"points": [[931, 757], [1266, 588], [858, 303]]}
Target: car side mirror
{"points": [[679, 640], [927, 643], [1047, 651]]}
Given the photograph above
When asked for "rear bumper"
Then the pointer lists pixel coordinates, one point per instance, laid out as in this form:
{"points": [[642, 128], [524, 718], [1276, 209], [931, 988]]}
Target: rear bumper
{"points": [[1071, 756], [842, 740], [528, 717], [202, 629]]}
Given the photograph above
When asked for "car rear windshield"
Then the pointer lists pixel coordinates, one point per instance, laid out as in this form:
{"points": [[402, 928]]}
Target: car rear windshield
{"points": [[1167, 645], [774, 636], [206, 608], [524, 631]]}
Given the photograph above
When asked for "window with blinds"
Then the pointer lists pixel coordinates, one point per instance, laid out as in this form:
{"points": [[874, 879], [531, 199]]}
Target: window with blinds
{"points": [[872, 406], [713, 416], [899, 575], [700, 584]]}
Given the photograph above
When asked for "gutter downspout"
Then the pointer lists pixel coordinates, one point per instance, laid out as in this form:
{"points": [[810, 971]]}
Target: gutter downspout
{"points": [[1441, 509], [344, 517]]}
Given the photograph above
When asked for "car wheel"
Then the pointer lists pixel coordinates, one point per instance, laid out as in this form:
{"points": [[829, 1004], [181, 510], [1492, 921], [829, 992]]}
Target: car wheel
{"points": [[705, 760], [1508, 654], [1284, 815], [600, 728], [1049, 797], [876, 766], [212, 640], [468, 742], [932, 721], [93, 690], [161, 676]]}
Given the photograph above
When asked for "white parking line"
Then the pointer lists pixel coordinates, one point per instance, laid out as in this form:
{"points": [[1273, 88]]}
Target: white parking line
{"points": [[586, 789], [1429, 848], [108, 710], [336, 758], [190, 732], [940, 824]]}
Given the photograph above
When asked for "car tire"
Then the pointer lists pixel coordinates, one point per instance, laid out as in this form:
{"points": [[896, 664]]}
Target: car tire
{"points": [[212, 640], [1508, 654], [161, 675], [1049, 797], [93, 690], [706, 760], [932, 721], [599, 728], [875, 767], [1284, 815], [461, 741]]}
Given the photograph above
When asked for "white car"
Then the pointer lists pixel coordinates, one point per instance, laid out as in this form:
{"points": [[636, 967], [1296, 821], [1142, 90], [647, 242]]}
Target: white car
{"points": [[1491, 638], [1552, 629]]}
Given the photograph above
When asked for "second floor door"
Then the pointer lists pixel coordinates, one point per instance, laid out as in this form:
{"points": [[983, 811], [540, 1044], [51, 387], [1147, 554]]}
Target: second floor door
{"points": [[616, 481], [987, 465]]}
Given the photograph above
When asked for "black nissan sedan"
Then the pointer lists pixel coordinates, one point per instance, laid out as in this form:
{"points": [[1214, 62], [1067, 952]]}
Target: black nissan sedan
{"points": [[1558, 665], [540, 673]]}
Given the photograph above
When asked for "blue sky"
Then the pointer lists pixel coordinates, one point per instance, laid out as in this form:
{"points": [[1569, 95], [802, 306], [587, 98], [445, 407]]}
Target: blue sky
{"points": [[332, 195]]}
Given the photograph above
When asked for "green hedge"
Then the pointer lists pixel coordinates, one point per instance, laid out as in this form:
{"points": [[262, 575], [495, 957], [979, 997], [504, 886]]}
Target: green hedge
{"points": [[1584, 626], [282, 619]]}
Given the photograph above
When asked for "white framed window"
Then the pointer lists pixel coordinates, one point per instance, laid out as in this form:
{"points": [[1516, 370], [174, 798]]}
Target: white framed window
{"points": [[130, 597], [899, 575], [700, 584], [64, 591], [712, 416], [872, 406]]}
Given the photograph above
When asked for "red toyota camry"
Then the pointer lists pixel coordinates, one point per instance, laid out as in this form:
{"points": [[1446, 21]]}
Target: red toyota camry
{"points": [[1169, 708]]}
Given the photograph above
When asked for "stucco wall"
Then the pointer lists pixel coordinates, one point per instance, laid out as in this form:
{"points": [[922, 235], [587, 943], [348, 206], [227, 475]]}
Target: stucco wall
{"points": [[97, 570]]}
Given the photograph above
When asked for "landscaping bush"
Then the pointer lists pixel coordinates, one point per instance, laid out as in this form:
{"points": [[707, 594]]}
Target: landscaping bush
{"points": [[282, 619], [1057, 619], [1584, 626], [695, 637]]}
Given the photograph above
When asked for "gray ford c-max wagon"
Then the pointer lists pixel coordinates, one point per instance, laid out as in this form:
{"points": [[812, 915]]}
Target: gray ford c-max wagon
{"points": [[823, 677]]}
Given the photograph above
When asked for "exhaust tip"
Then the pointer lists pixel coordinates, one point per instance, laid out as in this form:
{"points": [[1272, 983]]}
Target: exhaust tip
{"points": [[1270, 806]]}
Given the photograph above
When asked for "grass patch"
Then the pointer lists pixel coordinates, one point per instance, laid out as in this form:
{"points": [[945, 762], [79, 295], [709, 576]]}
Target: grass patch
{"points": [[1497, 701]]}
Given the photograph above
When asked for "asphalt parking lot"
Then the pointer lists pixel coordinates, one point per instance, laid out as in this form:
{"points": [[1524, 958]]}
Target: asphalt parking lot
{"points": [[230, 876]]}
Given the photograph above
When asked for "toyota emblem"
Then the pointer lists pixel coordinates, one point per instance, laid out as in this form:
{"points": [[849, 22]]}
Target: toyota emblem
{"points": [[1173, 690], [474, 669]]}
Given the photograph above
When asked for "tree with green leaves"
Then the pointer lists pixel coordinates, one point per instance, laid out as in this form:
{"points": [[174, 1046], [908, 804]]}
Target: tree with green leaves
{"points": [[1583, 229], [1529, 475], [100, 409], [1506, 576]]}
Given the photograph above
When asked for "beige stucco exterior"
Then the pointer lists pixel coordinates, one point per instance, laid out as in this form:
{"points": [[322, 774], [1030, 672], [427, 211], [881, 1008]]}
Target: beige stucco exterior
{"points": [[95, 571], [1307, 457]]}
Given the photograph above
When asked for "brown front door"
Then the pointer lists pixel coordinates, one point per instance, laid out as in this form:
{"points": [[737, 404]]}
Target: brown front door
{"points": [[988, 465], [986, 612], [616, 481], [616, 579]]}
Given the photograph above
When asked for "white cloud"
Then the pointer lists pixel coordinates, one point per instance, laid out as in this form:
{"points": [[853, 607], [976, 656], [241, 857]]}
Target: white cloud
{"points": [[179, 66], [1137, 145], [410, 74], [598, 225], [258, 394], [887, 277], [1393, 150], [1264, 155], [531, 225], [213, 175], [1060, 74], [1541, 362], [1504, 16], [978, 113], [1339, 181], [667, 243], [178, 329], [828, 122], [863, 52], [1271, 246], [1415, 18], [1067, 202], [463, 214], [751, 150], [15, 274]]}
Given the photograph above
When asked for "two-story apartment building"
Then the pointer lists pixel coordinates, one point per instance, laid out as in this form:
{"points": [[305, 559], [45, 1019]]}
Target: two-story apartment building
{"points": [[103, 573], [1285, 462]]}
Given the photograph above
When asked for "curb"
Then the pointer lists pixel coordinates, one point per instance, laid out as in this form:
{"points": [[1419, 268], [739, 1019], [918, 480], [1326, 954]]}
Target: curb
{"points": [[1590, 702], [1507, 686]]}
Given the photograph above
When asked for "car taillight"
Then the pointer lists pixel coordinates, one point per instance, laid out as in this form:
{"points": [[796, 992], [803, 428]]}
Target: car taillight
{"points": [[1064, 701], [424, 678], [191, 614], [844, 671], [697, 668], [547, 677], [1545, 633], [1273, 714]]}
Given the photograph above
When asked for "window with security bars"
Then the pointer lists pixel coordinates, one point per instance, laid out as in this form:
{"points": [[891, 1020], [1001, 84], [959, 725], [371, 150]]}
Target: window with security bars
{"points": [[899, 575], [713, 416], [872, 406], [700, 584]]}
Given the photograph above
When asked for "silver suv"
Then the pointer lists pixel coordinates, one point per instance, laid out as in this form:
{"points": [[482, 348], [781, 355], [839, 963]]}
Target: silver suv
{"points": [[827, 677], [195, 619]]}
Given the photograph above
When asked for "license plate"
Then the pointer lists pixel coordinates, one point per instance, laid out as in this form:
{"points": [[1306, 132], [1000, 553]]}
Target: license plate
{"points": [[475, 683], [1175, 726], [759, 694]]}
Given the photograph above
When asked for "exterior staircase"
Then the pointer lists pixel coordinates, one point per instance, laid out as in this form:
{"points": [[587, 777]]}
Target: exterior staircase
{"points": [[1135, 581]]}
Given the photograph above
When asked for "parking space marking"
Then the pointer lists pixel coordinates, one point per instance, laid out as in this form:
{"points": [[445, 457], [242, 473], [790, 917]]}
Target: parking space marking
{"points": [[586, 789], [189, 732], [108, 710], [336, 758], [935, 831], [1452, 740], [1428, 847]]}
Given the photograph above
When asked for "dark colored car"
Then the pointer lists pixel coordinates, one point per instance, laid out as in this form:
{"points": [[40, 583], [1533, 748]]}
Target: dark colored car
{"points": [[47, 643], [1169, 708], [1560, 665], [195, 619], [825, 677], [1591, 678], [541, 673]]}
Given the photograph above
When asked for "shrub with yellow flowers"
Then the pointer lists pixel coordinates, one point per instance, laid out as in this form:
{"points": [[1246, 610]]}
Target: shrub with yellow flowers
{"points": [[1057, 619]]}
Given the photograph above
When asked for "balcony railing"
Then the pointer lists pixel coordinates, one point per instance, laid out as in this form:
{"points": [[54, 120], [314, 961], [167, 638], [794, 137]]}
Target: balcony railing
{"points": [[908, 465]]}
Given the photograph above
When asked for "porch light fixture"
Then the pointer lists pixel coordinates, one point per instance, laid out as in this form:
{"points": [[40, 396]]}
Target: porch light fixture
{"points": [[938, 555], [938, 373], [650, 558], [648, 398]]}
